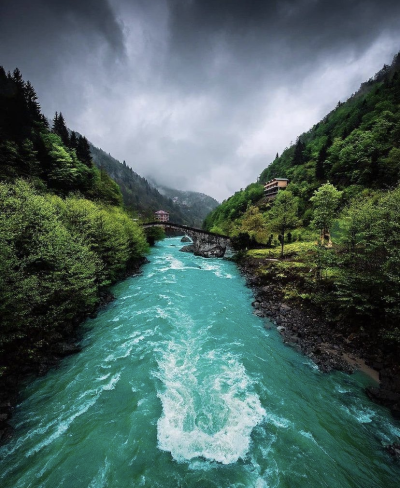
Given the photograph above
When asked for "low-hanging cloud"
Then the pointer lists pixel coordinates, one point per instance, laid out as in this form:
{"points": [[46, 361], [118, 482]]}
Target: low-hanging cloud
{"points": [[198, 94]]}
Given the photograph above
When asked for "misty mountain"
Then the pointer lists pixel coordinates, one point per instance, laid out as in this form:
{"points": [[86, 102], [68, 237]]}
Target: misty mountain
{"points": [[194, 204], [145, 198]]}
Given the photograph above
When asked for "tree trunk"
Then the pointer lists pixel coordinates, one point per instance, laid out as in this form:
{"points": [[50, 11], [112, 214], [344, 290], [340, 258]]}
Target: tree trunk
{"points": [[326, 237]]}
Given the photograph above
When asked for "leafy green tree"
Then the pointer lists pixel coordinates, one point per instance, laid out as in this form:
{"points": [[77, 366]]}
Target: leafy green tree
{"points": [[253, 224], [243, 241], [105, 188], [63, 173], [47, 273], [325, 201], [391, 167], [284, 214], [368, 278], [154, 234]]}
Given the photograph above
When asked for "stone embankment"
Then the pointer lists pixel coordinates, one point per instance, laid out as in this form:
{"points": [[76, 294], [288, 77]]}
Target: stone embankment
{"points": [[327, 344]]}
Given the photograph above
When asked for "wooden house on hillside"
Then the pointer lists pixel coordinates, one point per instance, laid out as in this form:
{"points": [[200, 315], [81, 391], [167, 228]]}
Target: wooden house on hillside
{"points": [[272, 187]]}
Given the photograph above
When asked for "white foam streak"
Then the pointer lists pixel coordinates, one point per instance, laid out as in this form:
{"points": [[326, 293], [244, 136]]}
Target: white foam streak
{"points": [[63, 426], [100, 480], [209, 408]]}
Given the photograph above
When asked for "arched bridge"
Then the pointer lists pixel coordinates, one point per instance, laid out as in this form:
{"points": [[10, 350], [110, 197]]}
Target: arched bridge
{"points": [[206, 244]]}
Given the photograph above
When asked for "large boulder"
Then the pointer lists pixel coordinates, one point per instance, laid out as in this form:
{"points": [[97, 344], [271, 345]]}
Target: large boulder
{"points": [[210, 252], [186, 239], [189, 248]]}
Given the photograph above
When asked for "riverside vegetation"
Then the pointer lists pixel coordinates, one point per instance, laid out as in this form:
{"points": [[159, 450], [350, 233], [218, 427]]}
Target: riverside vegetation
{"points": [[330, 241], [64, 235]]}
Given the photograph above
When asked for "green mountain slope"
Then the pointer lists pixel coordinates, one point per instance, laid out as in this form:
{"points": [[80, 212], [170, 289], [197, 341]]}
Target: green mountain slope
{"points": [[355, 147], [357, 144]]}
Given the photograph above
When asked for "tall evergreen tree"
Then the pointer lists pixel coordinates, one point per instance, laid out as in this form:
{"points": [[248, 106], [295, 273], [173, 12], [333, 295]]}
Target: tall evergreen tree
{"points": [[32, 102], [60, 128], [17, 78], [73, 141], [18, 115], [83, 151]]}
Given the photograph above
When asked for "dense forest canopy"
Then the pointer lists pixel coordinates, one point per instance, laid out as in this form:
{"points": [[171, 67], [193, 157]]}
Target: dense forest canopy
{"points": [[64, 234]]}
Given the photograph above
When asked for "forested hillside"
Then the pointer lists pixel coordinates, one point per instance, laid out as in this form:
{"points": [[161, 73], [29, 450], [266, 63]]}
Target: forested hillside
{"points": [[356, 147], [64, 235], [333, 233], [138, 195]]}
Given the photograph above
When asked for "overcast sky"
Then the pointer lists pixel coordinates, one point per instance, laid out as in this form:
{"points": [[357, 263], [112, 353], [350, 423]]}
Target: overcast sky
{"points": [[198, 94]]}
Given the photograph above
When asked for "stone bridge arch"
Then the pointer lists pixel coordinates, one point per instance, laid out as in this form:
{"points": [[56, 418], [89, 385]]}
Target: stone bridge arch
{"points": [[206, 244]]}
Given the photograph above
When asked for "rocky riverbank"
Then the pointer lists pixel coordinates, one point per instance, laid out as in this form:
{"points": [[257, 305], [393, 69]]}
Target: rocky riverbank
{"points": [[58, 346], [328, 344]]}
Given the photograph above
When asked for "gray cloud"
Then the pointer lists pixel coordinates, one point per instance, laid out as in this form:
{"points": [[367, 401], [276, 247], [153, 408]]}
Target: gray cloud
{"points": [[199, 94]]}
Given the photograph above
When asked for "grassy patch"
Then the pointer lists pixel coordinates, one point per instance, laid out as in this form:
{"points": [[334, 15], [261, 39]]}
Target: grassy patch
{"points": [[294, 249]]}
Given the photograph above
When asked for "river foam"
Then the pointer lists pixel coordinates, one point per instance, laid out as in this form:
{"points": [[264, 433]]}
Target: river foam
{"points": [[209, 406]]}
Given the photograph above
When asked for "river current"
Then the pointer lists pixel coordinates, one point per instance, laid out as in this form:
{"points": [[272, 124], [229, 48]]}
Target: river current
{"points": [[180, 385]]}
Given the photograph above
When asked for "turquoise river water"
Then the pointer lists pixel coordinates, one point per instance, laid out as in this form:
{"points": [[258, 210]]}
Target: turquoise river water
{"points": [[180, 385]]}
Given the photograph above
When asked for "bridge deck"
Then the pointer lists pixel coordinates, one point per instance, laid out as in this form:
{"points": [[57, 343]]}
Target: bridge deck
{"points": [[183, 227]]}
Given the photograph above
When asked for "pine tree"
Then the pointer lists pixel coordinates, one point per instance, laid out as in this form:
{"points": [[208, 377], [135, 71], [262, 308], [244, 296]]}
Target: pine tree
{"points": [[19, 123], [73, 141], [17, 78], [32, 102], [83, 151], [60, 128], [3, 76]]}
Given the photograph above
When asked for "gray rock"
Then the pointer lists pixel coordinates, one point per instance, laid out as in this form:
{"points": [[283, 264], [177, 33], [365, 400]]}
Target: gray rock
{"points": [[189, 248], [207, 252]]}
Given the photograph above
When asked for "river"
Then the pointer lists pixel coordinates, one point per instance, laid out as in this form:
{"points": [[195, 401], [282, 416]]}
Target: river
{"points": [[180, 385]]}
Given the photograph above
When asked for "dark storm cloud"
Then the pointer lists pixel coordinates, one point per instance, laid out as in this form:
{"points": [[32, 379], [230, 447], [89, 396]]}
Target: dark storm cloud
{"points": [[49, 40], [91, 15], [273, 34], [36, 21], [196, 93]]}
